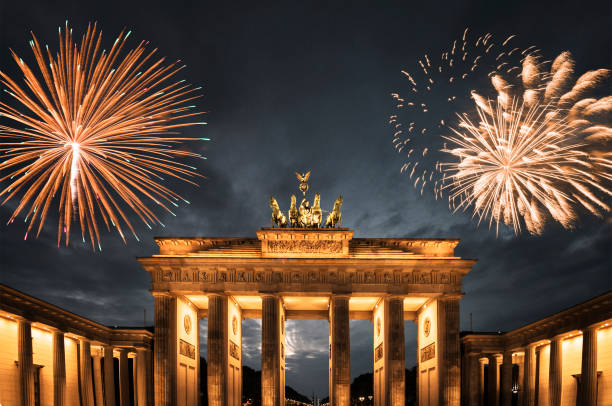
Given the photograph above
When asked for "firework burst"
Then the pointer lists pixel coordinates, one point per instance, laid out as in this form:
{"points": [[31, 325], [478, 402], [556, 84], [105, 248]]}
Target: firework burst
{"points": [[539, 151], [95, 136], [439, 86]]}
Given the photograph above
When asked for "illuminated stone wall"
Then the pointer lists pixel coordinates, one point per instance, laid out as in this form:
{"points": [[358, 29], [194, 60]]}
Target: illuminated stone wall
{"points": [[44, 321], [604, 364], [427, 356], [188, 353], [42, 349], [234, 356], [543, 370], [379, 361], [584, 338], [72, 372], [571, 364], [8, 356]]}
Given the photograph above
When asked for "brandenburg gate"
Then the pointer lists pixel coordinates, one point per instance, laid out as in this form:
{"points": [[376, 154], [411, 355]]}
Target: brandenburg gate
{"points": [[301, 270]]}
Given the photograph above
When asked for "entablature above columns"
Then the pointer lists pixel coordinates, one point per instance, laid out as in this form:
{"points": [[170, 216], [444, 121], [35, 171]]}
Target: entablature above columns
{"points": [[423, 276], [17, 305], [567, 323]]}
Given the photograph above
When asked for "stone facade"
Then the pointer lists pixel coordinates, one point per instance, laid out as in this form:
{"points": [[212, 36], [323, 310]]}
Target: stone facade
{"points": [[45, 351], [313, 273], [561, 360], [46, 356]]}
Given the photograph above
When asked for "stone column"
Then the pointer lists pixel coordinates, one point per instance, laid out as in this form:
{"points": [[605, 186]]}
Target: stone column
{"points": [[506, 376], [59, 369], [142, 377], [529, 375], [449, 351], [124, 378], [26, 364], [98, 385], [165, 354], [473, 380], [340, 346], [481, 381], [270, 352], [87, 396], [555, 371], [396, 350], [492, 389], [397, 353], [109, 377], [217, 350], [149, 361], [588, 397]]}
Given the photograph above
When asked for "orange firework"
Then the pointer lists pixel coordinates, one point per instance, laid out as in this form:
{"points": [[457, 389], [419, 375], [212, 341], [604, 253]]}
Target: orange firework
{"points": [[96, 132]]}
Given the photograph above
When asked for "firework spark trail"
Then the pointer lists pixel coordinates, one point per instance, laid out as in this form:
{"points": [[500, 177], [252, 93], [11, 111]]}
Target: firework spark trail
{"points": [[540, 150], [436, 89], [97, 130]]}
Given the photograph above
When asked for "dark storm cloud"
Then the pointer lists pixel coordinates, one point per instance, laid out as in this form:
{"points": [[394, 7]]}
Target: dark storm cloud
{"points": [[306, 86]]}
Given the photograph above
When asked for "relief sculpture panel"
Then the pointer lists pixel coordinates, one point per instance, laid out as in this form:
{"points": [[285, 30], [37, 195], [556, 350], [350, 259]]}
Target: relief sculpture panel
{"points": [[428, 352], [305, 246], [186, 349]]}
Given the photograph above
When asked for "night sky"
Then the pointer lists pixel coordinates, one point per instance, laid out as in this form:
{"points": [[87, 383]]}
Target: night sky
{"points": [[306, 86]]}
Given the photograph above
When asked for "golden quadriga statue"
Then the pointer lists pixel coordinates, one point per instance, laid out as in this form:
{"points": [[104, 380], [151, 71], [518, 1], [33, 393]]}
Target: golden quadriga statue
{"points": [[306, 216]]}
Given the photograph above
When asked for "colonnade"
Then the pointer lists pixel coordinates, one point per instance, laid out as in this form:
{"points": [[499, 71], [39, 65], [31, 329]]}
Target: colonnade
{"points": [[224, 362], [500, 387], [96, 385]]}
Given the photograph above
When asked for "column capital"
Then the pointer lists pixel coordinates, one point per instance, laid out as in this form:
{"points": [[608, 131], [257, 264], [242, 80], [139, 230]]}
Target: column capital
{"points": [[269, 294], [447, 296], [395, 296], [595, 326], [215, 294], [494, 356], [54, 329], [559, 337], [156, 293], [21, 318]]}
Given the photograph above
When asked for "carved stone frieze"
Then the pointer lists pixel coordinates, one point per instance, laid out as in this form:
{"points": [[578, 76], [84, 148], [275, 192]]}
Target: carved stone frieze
{"points": [[321, 276]]}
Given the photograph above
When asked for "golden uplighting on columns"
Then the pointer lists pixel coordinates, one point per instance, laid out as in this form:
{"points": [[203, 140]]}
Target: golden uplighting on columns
{"points": [[248, 302], [412, 304], [306, 302], [200, 301], [362, 303]]}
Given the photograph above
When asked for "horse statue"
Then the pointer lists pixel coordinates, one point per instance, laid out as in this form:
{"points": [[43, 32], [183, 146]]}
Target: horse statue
{"points": [[335, 216], [294, 215], [317, 213], [278, 217]]}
